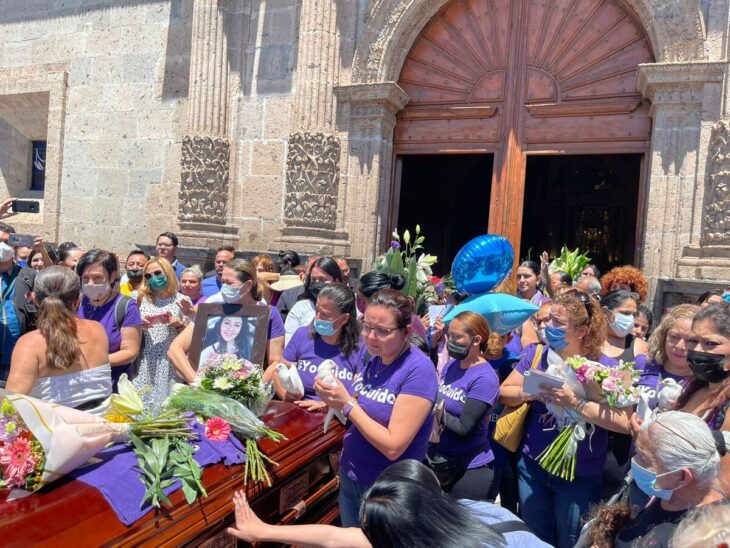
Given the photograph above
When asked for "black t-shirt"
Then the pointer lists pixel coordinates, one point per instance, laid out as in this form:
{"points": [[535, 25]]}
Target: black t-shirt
{"points": [[653, 526]]}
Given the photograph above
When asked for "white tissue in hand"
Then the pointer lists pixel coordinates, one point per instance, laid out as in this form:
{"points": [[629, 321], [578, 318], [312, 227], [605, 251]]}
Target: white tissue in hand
{"points": [[326, 372], [290, 379]]}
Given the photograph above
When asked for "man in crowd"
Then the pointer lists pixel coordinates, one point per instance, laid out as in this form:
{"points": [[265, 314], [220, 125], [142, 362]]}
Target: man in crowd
{"points": [[167, 247], [212, 282]]}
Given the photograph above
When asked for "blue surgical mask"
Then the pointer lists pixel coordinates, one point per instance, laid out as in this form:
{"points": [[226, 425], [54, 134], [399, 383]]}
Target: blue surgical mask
{"points": [[646, 480], [622, 324], [555, 337], [230, 294], [325, 328]]}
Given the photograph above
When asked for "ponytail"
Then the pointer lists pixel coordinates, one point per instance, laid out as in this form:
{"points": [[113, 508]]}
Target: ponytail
{"points": [[56, 290], [58, 326]]}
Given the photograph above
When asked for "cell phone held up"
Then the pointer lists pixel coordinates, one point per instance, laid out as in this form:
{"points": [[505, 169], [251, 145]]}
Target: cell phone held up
{"points": [[21, 240], [26, 206]]}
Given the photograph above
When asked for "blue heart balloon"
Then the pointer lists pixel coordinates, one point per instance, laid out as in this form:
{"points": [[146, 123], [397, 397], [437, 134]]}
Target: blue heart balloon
{"points": [[482, 264], [503, 312]]}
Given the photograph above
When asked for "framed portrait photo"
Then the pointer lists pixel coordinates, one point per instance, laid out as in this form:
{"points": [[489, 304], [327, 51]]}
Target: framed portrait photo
{"points": [[230, 329]]}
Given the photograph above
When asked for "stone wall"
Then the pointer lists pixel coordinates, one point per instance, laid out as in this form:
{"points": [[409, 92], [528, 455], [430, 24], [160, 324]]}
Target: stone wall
{"points": [[15, 159]]}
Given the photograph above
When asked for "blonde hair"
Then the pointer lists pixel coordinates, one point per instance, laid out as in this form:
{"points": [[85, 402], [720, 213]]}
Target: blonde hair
{"points": [[264, 261], [707, 525], [168, 271], [658, 339], [475, 324]]}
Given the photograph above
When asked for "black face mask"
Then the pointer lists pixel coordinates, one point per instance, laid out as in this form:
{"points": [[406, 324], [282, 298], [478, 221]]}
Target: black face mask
{"points": [[457, 351], [134, 275], [315, 288], [707, 367]]}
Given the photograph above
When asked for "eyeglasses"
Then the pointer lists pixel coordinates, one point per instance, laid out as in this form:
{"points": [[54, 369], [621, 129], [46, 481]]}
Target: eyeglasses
{"points": [[584, 298], [626, 293], [148, 275], [380, 332]]}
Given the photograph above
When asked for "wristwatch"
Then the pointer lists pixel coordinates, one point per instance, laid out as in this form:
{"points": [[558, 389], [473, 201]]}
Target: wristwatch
{"points": [[348, 407]]}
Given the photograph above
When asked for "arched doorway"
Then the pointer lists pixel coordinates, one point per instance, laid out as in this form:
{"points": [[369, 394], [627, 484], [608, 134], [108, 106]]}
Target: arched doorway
{"points": [[518, 80]]}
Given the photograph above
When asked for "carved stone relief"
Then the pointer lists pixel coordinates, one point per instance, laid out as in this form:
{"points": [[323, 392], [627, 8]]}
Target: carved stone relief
{"points": [[204, 186], [312, 180], [716, 219]]}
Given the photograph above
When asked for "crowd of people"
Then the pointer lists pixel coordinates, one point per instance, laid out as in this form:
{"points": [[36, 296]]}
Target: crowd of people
{"points": [[419, 464]]}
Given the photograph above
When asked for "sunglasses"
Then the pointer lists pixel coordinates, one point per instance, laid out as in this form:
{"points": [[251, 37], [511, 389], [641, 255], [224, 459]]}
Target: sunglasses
{"points": [[584, 298], [148, 275]]}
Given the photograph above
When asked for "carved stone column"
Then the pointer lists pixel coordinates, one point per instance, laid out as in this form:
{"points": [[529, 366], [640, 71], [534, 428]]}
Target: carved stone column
{"points": [[312, 198], [369, 112], [206, 150], [686, 100]]}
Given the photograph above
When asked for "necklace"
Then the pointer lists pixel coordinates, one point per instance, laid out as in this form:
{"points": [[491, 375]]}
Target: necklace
{"points": [[382, 366]]}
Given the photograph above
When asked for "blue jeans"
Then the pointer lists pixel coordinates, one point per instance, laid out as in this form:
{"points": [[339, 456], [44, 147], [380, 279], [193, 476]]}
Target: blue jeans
{"points": [[351, 493], [553, 507]]}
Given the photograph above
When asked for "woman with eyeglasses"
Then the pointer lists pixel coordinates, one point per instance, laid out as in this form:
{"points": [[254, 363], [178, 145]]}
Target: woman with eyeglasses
{"points": [[551, 506], [164, 313], [390, 407], [334, 335], [324, 271], [469, 387]]}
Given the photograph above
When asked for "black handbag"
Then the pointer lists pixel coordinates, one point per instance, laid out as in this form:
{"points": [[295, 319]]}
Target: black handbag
{"points": [[447, 470]]}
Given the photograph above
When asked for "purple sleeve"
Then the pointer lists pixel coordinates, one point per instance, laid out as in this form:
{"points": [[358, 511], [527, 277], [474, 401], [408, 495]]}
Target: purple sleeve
{"points": [[485, 388], [132, 317], [276, 325], [421, 379], [525, 362], [291, 352]]}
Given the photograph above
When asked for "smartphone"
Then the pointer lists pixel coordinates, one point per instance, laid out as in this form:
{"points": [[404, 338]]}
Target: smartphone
{"points": [[21, 240], [162, 317], [26, 206]]}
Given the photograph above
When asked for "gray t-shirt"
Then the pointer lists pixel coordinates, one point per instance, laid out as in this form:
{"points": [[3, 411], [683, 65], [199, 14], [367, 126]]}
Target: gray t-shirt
{"points": [[491, 514]]}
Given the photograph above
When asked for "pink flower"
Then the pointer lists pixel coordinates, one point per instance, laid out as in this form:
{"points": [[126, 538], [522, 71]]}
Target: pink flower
{"points": [[590, 374], [609, 385], [581, 373], [17, 461], [216, 429]]}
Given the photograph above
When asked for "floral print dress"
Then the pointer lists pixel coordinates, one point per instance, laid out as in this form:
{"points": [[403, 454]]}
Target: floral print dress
{"points": [[156, 374]]}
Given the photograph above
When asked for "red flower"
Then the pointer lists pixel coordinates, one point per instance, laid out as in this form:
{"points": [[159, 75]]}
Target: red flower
{"points": [[436, 280], [216, 429]]}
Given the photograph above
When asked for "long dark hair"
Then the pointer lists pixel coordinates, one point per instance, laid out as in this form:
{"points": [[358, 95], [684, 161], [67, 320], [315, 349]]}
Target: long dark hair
{"points": [[401, 512], [344, 299], [221, 346], [374, 281], [719, 315], [325, 264], [56, 290], [288, 260]]}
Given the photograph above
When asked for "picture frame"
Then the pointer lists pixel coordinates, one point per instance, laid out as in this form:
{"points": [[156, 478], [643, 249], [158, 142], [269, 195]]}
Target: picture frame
{"points": [[245, 328]]}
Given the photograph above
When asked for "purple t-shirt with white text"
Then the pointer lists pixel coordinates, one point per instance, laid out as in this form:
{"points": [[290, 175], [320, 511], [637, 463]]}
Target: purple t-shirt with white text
{"points": [[308, 351], [540, 428], [105, 315], [377, 386], [479, 382]]}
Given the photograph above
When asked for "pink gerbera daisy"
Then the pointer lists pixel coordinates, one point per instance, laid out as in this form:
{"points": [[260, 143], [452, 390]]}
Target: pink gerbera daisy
{"points": [[17, 461], [216, 429]]}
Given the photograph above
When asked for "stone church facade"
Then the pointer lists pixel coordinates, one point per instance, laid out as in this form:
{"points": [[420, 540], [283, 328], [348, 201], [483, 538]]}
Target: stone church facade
{"points": [[270, 124]]}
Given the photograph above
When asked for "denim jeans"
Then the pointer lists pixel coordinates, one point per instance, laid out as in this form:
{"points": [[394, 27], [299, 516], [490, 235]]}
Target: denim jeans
{"points": [[553, 507], [351, 493]]}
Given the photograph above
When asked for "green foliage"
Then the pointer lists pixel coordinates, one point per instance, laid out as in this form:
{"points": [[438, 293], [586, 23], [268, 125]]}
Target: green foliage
{"points": [[571, 262]]}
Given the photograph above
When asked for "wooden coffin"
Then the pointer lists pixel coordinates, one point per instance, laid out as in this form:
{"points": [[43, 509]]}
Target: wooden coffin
{"points": [[304, 487]]}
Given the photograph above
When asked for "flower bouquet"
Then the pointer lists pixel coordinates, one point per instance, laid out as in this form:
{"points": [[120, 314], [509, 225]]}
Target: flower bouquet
{"points": [[41, 442], [236, 378], [595, 382], [215, 404]]}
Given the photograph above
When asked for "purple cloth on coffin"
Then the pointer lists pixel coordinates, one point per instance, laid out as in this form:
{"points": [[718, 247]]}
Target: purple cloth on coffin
{"points": [[118, 479]]}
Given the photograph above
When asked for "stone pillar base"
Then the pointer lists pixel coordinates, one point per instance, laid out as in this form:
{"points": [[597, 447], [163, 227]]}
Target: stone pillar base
{"points": [[710, 263], [313, 241], [207, 236]]}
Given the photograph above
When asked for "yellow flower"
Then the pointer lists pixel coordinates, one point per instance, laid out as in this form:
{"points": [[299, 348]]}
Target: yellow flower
{"points": [[127, 402], [118, 418]]}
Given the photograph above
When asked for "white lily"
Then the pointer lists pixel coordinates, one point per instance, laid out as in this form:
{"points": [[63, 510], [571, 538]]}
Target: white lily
{"points": [[221, 383], [127, 403]]}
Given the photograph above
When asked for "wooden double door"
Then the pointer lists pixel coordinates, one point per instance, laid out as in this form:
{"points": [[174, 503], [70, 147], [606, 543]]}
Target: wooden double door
{"points": [[519, 78]]}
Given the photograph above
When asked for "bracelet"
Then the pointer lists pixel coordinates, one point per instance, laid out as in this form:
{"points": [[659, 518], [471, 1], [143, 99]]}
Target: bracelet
{"points": [[580, 408]]}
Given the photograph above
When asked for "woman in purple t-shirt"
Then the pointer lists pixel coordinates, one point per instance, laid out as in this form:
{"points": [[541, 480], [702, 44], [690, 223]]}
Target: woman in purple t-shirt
{"points": [[468, 390], [553, 507], [334, 335], [390, 408]]}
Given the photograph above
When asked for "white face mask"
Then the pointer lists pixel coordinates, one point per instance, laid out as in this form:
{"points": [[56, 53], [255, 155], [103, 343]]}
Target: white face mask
{"points": [[95, 292], [6, 252], [623, 324], [230, 294]]}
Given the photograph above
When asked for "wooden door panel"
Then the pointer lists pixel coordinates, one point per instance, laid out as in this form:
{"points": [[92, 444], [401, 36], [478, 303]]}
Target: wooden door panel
{"points": [[448, 131], [636, 127]]}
